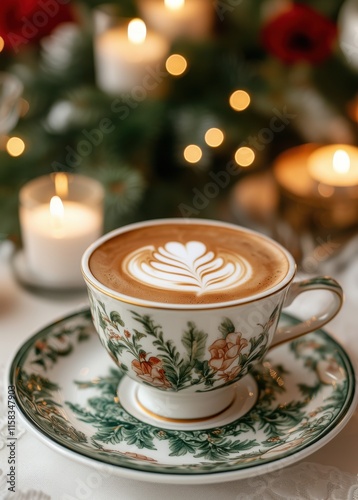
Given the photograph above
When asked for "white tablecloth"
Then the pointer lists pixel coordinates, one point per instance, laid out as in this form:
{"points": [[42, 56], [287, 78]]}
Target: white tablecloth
{"points": [[42, 473]]}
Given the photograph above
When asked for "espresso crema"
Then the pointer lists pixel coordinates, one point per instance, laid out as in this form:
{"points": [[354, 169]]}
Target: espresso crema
{"points": [[188, 263]]}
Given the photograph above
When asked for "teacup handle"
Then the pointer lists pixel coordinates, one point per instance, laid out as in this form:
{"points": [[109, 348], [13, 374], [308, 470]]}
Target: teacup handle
{"points": [[290, 332]]}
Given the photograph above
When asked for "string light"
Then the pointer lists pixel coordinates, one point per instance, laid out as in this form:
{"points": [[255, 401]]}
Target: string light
{"points": [[244, 157], [15, 146], [214, 137], [176, 64], [239, 100], [193, 153]]}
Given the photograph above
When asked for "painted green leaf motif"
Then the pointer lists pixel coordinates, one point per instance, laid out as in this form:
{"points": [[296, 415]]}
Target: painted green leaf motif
{"points": [[102, 322], [337, 397], [308, 390], [256, 341], [194, 342], [217, 450], [108, 385], [116, 318], [115, 348], [149, 326], [139, 335], [282, 417], [109, 435], [180, 447], [85, 416], [139, 436], [226, 327], [102, 305], [83, 335]]}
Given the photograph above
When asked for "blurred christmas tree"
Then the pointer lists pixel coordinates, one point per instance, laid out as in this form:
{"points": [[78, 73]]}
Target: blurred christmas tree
{"points": [[272, 74]]}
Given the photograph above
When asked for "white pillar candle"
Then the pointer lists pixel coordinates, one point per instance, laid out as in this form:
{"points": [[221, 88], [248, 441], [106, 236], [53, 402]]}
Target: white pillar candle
{"points": [[179, 18], [56, 233], [125, 55], [335, 165]]}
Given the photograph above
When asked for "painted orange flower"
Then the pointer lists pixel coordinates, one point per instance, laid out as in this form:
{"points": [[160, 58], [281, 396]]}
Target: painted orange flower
{"points": [[151, 371], [225, 351], [230, 375]]}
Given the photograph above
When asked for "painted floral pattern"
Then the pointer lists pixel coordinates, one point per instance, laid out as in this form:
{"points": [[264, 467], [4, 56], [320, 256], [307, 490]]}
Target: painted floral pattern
{"points": [[150, 371], [165, 366], [281, 423], [224, 353]]}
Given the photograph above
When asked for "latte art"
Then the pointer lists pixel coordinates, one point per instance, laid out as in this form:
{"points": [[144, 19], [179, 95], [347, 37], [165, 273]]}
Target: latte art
{"points": [[188, 267], [190, 263]]}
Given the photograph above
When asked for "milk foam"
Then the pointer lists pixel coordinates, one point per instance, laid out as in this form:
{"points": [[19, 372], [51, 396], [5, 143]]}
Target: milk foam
{"points": [[188, 263], [188, 267]]}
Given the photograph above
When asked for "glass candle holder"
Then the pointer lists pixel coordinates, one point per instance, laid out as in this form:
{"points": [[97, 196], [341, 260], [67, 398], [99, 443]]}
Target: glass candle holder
{"points": [[60, 216]]}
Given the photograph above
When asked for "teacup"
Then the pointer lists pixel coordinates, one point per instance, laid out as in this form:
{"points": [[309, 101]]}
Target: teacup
{"points": [[186, 307]]}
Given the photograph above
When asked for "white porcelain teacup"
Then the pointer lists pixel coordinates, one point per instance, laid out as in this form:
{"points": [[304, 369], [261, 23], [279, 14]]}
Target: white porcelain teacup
{"points": [[186, 307]]}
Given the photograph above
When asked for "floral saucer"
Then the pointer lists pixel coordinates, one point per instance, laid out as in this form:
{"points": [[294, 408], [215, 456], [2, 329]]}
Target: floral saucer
{"points": [[66, 391]]}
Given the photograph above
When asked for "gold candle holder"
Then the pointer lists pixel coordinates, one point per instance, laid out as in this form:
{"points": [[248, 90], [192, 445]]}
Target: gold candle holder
{"points": [[312, 197]]}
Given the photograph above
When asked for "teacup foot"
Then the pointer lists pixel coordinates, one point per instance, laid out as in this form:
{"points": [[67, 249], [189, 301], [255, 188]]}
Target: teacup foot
{"points": [[195, 411]]}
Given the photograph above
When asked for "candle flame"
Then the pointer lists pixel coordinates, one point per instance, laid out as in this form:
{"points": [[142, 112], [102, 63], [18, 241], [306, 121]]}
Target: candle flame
{"points": [[61, 184], [137, 31], [57, 212], [174, 4], [341, 162]]}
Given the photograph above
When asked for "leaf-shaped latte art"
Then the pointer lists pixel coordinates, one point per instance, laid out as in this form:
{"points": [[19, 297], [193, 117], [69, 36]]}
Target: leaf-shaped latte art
{"points": [[187, 267]]}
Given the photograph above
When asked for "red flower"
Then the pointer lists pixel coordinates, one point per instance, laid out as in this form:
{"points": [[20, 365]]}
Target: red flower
{"points": [[27, 21], [151, 371], [299, 34]]}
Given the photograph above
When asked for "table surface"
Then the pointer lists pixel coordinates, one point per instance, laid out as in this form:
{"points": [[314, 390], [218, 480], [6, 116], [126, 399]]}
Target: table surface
{"points": [[42, 473]]}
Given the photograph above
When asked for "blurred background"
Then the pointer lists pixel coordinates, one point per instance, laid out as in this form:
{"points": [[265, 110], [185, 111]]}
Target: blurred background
{"points": [[227, 109]]}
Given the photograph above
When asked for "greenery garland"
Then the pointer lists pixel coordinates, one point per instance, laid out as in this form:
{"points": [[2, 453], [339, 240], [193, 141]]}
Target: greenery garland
{"points": [[141, 161]]}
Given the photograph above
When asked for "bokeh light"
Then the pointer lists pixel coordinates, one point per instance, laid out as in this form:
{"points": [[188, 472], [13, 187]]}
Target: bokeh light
{"points": [[239, 100], [15, 146], [214, 137], [2, 44], [193, 153], [176, 64], [244, 157], [325, 190]]}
